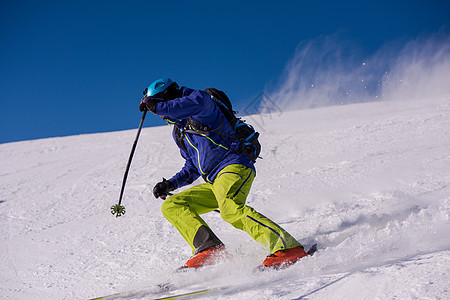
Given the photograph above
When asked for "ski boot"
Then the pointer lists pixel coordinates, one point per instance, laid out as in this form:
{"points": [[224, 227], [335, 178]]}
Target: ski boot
{"points": [[283, 258], [207, 257]]}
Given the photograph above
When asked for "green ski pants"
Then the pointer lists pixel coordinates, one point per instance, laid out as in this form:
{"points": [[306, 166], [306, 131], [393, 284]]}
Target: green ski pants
{"points": [[228, 192]]}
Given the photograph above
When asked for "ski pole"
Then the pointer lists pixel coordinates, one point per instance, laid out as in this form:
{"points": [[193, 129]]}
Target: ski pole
{"points": [[119, 209]]}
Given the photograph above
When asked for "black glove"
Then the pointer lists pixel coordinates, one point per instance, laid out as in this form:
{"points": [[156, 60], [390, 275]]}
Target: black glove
{"points": [[148, 103], [163, 188]]}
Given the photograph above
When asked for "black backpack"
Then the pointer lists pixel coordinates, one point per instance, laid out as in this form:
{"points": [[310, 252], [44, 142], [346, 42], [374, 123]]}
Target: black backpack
{"points": [[249, 144], [245, 133]]}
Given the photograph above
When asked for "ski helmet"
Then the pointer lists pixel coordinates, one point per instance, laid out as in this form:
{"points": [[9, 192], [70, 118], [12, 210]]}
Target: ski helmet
{"points": [[159, 86]]}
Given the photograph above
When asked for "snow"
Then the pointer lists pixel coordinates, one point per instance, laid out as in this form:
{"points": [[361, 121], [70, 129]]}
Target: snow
{"points": [[369, 182]]}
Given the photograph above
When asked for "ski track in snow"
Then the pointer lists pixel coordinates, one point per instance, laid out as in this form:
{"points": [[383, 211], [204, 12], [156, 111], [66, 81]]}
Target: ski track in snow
{"points": [[370, 183]]}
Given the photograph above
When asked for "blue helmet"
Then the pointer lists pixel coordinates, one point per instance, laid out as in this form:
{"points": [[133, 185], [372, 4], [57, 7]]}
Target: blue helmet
{"points": [[158, 86]]}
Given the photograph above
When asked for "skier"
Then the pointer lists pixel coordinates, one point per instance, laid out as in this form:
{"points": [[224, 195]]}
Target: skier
{"points": [[228, 176]]}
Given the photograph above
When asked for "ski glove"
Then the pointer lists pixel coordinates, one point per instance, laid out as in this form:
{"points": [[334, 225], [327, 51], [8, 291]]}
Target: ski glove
{"points": [[163, 188], [149, 103]]}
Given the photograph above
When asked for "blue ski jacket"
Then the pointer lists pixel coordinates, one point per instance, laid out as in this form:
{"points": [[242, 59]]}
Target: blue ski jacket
{"points": [[206, 154]]}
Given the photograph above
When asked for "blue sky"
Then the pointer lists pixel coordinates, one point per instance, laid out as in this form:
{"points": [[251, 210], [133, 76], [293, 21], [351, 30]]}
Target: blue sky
{"points": [[74, 67]]}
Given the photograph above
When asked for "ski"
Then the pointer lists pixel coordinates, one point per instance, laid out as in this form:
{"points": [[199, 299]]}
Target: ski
{"points": [[124, 295], [190, 294], [170, 288], [163, 288], [145, 294]]}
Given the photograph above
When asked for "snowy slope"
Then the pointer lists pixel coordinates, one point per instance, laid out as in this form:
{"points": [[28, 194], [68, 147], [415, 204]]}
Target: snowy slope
{"points": [[370, 183]]}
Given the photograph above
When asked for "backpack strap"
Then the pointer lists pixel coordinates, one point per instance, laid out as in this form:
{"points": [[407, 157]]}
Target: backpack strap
{"points": [[220, 97], [200, 128], [179, 137], [199, 125]]}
